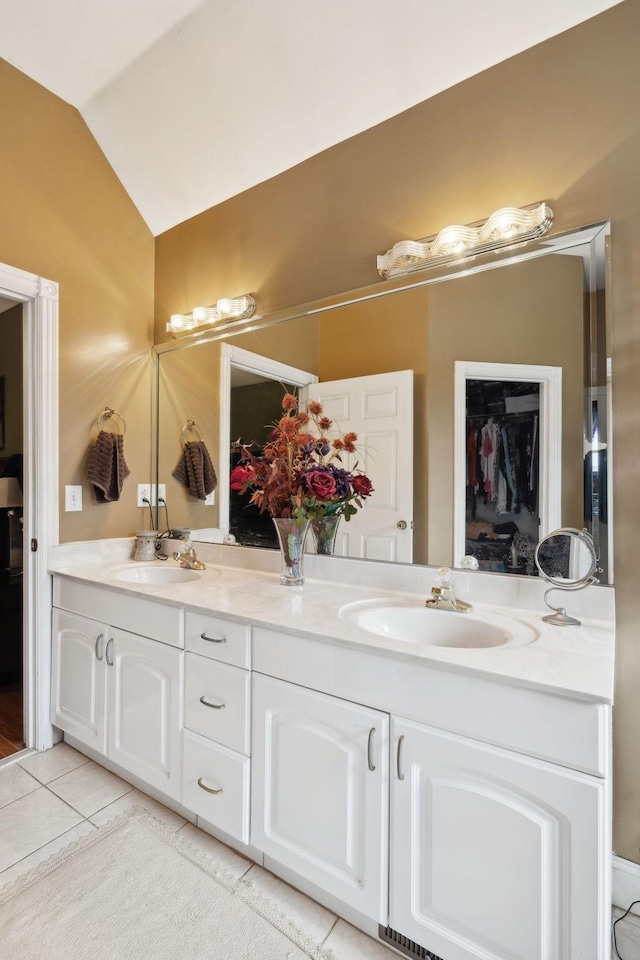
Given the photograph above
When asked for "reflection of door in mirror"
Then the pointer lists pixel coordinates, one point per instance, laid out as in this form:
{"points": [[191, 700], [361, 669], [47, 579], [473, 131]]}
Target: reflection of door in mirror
{"points": [[508, 455], [379, 409]]}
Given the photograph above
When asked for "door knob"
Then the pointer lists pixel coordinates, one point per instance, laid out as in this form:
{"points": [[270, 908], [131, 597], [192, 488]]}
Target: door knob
{"points": [[401, 524]]}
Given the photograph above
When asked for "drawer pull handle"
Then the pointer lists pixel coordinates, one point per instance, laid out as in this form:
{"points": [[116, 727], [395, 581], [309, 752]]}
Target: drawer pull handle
{"points": [[99, 639], [398, 769], [372, 765], [203, 786], [213, 639], [106, 652], [214, 706]]}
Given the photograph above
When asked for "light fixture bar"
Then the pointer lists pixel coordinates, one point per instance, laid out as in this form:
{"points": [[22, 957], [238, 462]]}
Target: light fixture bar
{"points": [[226, 309], [504, 228]]}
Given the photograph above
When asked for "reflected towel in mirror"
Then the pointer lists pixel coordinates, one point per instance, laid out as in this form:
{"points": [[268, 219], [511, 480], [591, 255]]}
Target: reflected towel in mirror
{"points": [[195, 470], [107, 467]]}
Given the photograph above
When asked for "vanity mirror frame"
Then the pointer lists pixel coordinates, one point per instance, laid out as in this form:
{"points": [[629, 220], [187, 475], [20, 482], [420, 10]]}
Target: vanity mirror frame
{"points": [[593, 241]]}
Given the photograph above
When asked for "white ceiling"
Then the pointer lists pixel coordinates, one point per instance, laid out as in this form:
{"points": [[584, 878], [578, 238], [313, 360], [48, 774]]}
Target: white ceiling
{"points": [[193, 101]]}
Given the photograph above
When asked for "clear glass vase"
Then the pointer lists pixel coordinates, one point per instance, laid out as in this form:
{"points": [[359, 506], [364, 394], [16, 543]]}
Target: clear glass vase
{"points": [[324, 531], [291, 538]]}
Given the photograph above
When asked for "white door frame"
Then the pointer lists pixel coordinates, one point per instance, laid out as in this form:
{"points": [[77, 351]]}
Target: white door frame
{"points": [[549, 429], [263, 367], [39, 297]]}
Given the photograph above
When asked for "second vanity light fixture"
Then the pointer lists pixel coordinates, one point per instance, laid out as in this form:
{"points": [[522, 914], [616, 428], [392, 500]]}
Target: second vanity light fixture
{"points": [[504, 228], [224, 311]]}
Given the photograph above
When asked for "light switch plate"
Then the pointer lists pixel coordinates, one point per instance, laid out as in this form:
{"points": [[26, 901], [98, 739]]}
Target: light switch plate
{"points": [[210, 499], [72, 497]]}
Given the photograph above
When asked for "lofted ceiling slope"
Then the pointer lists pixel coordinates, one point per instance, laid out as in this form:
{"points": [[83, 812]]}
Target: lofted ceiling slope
{"points": [[194, 101]]}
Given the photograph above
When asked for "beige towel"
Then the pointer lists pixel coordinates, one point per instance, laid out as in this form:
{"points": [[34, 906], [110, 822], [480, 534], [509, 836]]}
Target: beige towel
{"points": [[195, 470], [107, 467]]}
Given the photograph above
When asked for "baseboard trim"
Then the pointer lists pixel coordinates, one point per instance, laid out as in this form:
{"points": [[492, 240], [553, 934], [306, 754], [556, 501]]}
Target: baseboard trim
{"points": [[626, 884]]}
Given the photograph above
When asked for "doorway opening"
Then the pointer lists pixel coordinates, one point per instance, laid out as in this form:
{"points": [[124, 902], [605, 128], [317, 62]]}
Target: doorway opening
{"points": [[12, 726]]}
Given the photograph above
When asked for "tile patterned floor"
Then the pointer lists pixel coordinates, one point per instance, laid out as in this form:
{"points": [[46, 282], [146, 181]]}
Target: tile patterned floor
{"points": [[48, 800], [627, 936]]}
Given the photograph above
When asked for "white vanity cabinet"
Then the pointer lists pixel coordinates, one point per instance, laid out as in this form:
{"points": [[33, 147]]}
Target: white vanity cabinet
{"points": [[118, 692], [320, 791], [216, 764], [493, 854], [499, 841]]}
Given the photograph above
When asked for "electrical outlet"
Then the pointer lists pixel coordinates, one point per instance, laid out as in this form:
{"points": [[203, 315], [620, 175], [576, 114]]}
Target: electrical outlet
{"points": [[162, 491], [72, 497], [210, 499], [144, 494]]}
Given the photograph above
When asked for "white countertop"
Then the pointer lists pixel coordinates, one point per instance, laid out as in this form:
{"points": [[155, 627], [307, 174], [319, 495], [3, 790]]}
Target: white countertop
{"points": [[574, 661]]}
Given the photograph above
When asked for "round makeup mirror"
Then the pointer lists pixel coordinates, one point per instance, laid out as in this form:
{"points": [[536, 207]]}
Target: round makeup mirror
{"points": [[567, 559]]}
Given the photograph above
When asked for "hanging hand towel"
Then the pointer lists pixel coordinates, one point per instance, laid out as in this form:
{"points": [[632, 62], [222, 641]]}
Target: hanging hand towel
{"points": [[107, 467], [195, 470]]}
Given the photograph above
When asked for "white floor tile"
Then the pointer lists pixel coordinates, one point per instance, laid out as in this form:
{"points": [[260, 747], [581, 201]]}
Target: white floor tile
{"points": [[220, 853], [89, 788], [135, 798], [30, 822], [627, 936], [43, 853], [315, 921], [53, 763], [350, 944], [15, 783]]}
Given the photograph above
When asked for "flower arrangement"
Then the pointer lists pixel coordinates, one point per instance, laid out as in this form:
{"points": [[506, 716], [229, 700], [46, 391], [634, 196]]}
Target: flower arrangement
{"points": [[299, 473]]}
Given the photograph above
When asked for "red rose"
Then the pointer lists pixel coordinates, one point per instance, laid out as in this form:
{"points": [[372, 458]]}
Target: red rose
{"points": [[320, 484], [362, 486], [239, 477]]}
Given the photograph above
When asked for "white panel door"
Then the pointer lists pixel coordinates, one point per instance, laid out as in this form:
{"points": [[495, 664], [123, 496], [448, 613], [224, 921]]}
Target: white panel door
{"points": [[78, 681], [319, 795], [380, 410], [494, 855], [144, 690]]}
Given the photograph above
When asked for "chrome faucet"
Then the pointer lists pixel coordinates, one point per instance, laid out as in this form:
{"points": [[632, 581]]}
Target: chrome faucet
{"points": [[442, 594], [186, 557]]}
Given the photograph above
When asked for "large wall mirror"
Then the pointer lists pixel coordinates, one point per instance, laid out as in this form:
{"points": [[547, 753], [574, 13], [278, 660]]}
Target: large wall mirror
{"points": [[507, 353]]}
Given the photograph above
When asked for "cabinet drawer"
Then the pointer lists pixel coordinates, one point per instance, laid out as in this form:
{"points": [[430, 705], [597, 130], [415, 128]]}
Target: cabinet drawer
{"points": [[217, 701], [207, 767], [219, 639], [148, 618]]}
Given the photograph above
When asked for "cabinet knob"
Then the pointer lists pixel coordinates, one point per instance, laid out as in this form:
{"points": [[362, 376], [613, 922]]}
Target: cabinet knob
{"points": [[203, 786], [214, 706]]}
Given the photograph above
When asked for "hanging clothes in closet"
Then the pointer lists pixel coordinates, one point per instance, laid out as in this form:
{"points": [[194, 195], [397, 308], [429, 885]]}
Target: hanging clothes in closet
{"points": [[502, 463]]}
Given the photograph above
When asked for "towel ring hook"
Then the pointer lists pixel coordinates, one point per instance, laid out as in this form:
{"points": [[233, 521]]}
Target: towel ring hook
{"points": [[193, 426], [107, 414]]}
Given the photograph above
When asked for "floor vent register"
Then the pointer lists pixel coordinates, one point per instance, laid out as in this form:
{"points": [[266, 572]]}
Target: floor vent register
{"points": [[405, 945]]}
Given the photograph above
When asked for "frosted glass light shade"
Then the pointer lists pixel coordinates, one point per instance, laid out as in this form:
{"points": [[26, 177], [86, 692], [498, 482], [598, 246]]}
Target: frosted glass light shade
{"points": [[504, 227], [238, 308]]}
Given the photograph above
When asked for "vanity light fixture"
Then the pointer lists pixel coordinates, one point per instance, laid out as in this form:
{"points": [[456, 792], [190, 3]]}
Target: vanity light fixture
{"points": [[226, 309], [504, 228]]}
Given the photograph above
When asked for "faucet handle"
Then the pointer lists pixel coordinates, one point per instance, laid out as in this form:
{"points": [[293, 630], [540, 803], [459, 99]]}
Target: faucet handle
{"points": [[444, 577]]}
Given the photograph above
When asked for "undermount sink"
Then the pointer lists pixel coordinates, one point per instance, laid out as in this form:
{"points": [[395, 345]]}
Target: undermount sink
{"points": [[412, 622], [154, 573]]}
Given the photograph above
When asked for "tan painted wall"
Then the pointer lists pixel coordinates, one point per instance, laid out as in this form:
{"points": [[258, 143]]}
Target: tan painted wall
{"points": [[558, 122], [66, 216], [11, 369]]}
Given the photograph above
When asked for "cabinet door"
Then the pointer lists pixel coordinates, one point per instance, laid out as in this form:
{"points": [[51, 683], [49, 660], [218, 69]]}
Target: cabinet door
{"points": [[495, 855], [320, 791], [144, 690], [77, 679]]}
